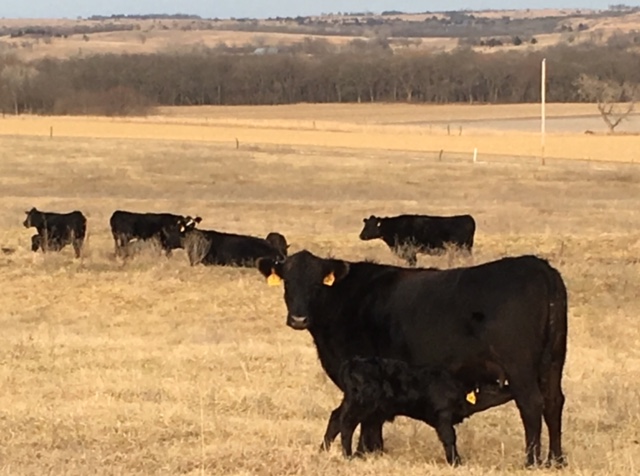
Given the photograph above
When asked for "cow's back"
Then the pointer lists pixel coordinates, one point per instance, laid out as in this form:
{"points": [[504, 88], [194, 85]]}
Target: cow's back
{"points": [[458, 314], [232, 249]]}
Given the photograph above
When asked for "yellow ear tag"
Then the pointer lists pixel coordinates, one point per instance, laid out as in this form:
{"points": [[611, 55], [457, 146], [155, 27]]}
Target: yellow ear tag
{"points": [[329, 279], [471, 398], [274, 279]]}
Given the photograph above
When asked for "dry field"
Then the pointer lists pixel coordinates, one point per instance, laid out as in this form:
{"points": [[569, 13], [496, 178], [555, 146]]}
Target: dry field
{"points": [[499, 132], [155, 367], [151, 36]]}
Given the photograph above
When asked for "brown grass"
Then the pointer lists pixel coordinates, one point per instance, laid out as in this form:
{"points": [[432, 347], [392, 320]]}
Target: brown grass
{"points": [[456, 130], [154, 367], [150, 37]]}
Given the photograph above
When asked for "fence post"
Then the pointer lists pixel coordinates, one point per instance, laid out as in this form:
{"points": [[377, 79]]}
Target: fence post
{"points": [[50, 132], [475, 155]]}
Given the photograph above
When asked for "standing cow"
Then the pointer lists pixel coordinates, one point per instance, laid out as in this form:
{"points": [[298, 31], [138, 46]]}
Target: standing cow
{"points": [[512, 312], [408, 235], [167, 228], [56, 230]]}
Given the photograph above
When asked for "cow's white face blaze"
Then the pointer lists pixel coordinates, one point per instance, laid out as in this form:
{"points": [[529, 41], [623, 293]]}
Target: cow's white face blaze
{"points": [[307, 279]]}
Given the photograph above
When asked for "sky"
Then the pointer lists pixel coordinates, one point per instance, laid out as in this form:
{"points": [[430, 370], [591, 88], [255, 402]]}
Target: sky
{"points": [[268, 8]]}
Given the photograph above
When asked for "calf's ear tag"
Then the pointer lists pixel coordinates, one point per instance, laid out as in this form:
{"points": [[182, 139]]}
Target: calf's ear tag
{"points": [[274, 279], [471, 398], [329, 279]]}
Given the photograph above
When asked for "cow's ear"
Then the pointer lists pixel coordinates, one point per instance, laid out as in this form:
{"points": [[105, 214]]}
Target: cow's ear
{"points": [[335, 272], [197, 219], [270, 269]]}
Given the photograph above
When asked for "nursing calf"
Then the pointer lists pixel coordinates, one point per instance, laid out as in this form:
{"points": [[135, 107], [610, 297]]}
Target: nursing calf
{"points": [[381, 389]]}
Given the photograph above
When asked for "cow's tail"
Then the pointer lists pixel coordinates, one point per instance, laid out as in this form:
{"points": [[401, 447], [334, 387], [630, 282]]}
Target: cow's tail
{"points": [[555, 340]]}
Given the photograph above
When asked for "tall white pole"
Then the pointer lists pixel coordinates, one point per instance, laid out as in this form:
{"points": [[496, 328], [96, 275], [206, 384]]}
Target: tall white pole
{"points": [[543, 100]]}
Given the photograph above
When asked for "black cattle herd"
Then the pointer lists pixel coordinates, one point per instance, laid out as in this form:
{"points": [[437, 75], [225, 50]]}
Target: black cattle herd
{"points": [[430, 344]]}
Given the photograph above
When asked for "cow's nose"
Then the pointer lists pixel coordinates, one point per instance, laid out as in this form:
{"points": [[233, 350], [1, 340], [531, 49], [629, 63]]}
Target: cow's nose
{"points": [[297, 322]]}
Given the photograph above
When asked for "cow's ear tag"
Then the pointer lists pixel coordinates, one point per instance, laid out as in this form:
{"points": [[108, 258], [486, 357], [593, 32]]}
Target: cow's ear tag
{"points": [[329, 279], [182, 228], [471, 398], [274, 279]]}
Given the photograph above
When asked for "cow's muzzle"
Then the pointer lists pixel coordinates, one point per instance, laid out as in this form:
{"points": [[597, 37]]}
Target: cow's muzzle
{"points": [[298, 323]]}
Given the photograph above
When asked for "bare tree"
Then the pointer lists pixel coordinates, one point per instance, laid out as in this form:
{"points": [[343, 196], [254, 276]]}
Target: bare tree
{"points": [[615, 100], [15, 77]]}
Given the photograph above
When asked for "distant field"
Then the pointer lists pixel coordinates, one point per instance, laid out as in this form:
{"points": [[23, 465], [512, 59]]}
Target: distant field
{"points": [[161, 35], [155, 367], [498, 132]]}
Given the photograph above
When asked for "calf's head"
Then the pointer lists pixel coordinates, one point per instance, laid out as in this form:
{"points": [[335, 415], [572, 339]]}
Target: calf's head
{"points": [[307, 281], [34, 218], [371, 229], [279, 243]]}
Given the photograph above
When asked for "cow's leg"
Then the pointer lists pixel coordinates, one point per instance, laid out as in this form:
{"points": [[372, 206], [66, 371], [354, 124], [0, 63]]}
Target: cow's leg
{"points": [[447, 436], [553, 405], [371, 436], [121, 243], [333, 428], [529, 401], [77, 245]]}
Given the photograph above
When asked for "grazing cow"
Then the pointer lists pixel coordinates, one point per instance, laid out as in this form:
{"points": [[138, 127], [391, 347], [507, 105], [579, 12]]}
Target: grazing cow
{"points": [[165, 227], [408, 235], [211, 247], [381, 389], [512, 311], [56, 230]]}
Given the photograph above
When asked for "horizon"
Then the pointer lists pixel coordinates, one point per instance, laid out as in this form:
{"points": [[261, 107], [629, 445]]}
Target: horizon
{"points": [[254, 9]]}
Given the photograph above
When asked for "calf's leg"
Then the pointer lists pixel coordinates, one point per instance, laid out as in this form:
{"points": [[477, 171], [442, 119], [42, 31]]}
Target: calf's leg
{"points": [[371, 436], [349, 419]]}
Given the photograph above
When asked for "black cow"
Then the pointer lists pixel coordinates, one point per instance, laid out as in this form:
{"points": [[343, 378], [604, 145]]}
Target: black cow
{"points": [[164, 227], [56, 230], [512, 311], [381, 389], [408, 235], [211, 247]]}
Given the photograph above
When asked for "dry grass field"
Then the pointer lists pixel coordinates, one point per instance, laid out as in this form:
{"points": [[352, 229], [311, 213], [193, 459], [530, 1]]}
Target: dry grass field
{"points": [[161, 35], [499, 132], [155, 367]]}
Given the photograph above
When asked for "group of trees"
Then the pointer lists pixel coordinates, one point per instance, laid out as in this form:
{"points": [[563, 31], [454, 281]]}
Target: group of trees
{"points": [[130, 84]]}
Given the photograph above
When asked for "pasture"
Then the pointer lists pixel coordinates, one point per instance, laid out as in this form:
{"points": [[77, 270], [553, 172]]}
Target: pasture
{"points": [[155, 367]]}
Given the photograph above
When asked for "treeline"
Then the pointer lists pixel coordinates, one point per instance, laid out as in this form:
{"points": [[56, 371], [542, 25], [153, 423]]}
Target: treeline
{"points": [[131, 84]]}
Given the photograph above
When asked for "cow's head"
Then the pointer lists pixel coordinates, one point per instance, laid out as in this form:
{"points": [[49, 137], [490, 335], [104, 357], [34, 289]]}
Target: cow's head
{"points": [[279, 243], [188, 223], [34, 217], [371, 229], [174, 232], [307, 281]]}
